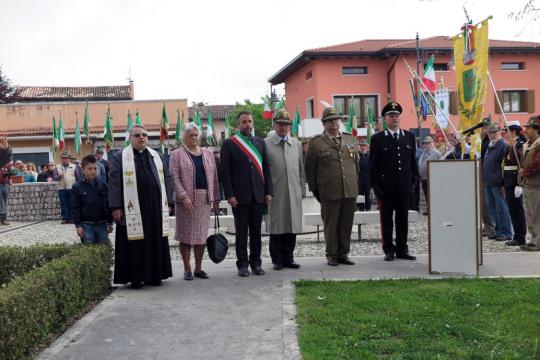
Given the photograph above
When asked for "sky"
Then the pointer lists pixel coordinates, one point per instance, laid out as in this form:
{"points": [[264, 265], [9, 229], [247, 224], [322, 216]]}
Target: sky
{"points": [[217, 52]]}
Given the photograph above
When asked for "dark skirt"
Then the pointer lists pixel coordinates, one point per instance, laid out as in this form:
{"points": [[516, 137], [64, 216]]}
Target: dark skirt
{"points": [[146, 260]]}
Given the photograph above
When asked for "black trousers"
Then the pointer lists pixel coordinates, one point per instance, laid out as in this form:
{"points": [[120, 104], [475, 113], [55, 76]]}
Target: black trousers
{"points": [[415, 197], [387, 206], [517, 214], [282, 248], [248, 217], [365, 190], [425, 190]]}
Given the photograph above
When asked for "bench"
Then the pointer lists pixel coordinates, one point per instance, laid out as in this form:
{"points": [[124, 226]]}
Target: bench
{"points": [[360, 218]]}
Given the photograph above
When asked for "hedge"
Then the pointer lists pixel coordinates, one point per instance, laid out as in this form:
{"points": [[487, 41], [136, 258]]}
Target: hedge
{"points": [[41, 301], [17, 260]]}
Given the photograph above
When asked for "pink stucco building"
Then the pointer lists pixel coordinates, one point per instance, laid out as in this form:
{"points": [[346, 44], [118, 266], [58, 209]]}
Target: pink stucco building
{"points": [[370, 72]]}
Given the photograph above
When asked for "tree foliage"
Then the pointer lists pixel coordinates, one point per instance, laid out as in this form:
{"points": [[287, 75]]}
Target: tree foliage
{"points": [[262, 126], [8, 92]]}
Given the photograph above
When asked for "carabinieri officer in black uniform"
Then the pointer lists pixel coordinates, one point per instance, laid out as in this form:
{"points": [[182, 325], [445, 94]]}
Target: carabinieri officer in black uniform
{"points": [[393, 171]]}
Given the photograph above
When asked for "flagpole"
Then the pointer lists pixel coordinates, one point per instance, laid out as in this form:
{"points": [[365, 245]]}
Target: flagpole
{"points": [[488, 18], [502, 112], [415, 75], [419, 100]]}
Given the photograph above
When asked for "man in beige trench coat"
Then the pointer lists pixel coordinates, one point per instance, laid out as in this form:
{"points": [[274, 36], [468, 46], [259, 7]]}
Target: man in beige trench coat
{"points": [[285, 212]]}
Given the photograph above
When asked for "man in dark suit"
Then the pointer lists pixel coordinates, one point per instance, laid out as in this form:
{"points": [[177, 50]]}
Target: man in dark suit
{"points": [[247, 182], [363, 175], [393, 172]]}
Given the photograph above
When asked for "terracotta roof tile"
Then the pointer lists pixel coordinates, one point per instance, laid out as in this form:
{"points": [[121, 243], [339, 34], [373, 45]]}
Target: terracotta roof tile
{"points": [[93, 130], [68, 93], [440, 42]]}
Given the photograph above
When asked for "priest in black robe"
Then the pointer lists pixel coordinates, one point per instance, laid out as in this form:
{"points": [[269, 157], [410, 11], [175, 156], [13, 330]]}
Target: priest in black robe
{"points": [[145, 260]]}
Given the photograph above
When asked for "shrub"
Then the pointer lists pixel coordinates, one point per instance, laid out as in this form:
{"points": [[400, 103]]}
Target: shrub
{"points": [[16, 260], [42, 300]]}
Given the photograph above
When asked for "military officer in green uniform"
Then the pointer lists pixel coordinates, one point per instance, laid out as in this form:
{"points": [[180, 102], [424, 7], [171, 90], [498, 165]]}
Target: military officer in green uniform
{"points": [[332, 175]]}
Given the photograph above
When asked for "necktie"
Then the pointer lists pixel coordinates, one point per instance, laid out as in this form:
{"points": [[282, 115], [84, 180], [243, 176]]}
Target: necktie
{"points": [[395, 137]]}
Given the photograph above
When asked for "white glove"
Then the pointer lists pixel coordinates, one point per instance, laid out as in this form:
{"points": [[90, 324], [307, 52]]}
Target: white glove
{"points": [[518, 191]]}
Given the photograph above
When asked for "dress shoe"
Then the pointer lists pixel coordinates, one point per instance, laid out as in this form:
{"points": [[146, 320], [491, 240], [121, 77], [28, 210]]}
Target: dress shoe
{"points": [[512, 243], [201, 274], [529, 247], [277, 267], [291, 265], [188, 275], [136, 285], [345, 260], [389, 257], [258, 271], [331, 262], [243, 272], [405, 256]]}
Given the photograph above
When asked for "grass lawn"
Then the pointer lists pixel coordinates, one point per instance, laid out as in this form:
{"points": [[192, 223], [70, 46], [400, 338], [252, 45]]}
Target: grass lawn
{"points": [[419, 319]]}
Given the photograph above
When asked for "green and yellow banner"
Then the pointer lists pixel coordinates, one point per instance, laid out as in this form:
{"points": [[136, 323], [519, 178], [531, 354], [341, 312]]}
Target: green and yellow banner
{"points": [[471, 55]]}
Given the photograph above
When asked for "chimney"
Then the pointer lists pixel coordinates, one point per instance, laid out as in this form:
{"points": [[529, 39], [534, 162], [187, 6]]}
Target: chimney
{"points": [[131, 90]]}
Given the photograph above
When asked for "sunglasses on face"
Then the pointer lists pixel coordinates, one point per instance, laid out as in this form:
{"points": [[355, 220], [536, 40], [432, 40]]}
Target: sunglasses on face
{"points": [[140, 135]]}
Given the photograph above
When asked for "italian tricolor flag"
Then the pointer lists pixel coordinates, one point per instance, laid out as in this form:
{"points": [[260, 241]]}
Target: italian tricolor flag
{"points": [[429, 75], [267, 113]]}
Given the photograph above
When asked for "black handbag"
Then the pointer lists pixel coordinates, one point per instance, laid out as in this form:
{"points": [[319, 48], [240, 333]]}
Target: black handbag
{"points": [[217, 244]]}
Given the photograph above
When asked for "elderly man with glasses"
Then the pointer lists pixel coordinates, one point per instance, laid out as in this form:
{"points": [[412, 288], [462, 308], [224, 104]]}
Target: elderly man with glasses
{"points": [[140, 194]]}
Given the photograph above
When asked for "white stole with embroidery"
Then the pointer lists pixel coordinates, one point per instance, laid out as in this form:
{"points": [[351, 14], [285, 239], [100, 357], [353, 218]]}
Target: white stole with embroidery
{"points": [[132, 209]]}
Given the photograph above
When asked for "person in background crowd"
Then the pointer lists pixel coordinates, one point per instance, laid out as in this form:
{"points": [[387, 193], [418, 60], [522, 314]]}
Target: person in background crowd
{"points": [[285, 212], [332, 175], [415, 194], [5, 151], [429, 153], [66, 177], [140, 195], [105, 163], [363, 175], [393, 172], [18, 166], [515, 140], [492, 181], [28, 176], [217, 160], [196, 188], [31, 168], [43, 168], [488, 222], [51, 174], [530, 181], [5, 174], [247, 182], [89, 205]]}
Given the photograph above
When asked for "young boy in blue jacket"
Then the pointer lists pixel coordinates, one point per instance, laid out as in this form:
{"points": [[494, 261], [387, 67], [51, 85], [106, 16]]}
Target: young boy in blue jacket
{"points": [[89, 205]]}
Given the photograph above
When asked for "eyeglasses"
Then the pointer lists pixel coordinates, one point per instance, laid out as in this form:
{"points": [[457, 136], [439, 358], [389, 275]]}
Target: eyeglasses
{"points": [[138, 135]]}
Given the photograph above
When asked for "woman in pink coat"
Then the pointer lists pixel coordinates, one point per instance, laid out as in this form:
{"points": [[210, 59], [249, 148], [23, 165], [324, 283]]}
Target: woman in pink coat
{"points": [[196, 188]]}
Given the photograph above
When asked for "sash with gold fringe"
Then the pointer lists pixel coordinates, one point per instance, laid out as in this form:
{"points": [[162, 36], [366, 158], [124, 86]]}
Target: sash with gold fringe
{"points": [[132, 209]]}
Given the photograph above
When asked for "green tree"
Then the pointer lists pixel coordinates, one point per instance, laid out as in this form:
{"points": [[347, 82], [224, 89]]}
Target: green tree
{"points": [[8, 93], [262, 126]]}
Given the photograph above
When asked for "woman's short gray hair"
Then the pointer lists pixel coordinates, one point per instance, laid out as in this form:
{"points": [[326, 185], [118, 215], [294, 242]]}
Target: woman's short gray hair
{"points": [[190, 126]]}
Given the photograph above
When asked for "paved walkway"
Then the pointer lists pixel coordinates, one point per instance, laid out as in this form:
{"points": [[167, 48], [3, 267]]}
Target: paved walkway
{"points": [[228, 317]]}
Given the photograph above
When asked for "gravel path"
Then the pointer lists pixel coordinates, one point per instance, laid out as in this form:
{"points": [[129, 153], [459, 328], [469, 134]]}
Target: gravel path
{"points": [[50, 232]]}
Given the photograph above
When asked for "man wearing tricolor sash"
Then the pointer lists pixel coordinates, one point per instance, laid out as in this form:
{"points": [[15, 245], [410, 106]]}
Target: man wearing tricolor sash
{"points": [[247, 183], [139, 196]]}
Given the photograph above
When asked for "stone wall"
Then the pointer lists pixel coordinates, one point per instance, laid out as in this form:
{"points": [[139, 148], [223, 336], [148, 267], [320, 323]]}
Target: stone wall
{"points": [[33, 202]]}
